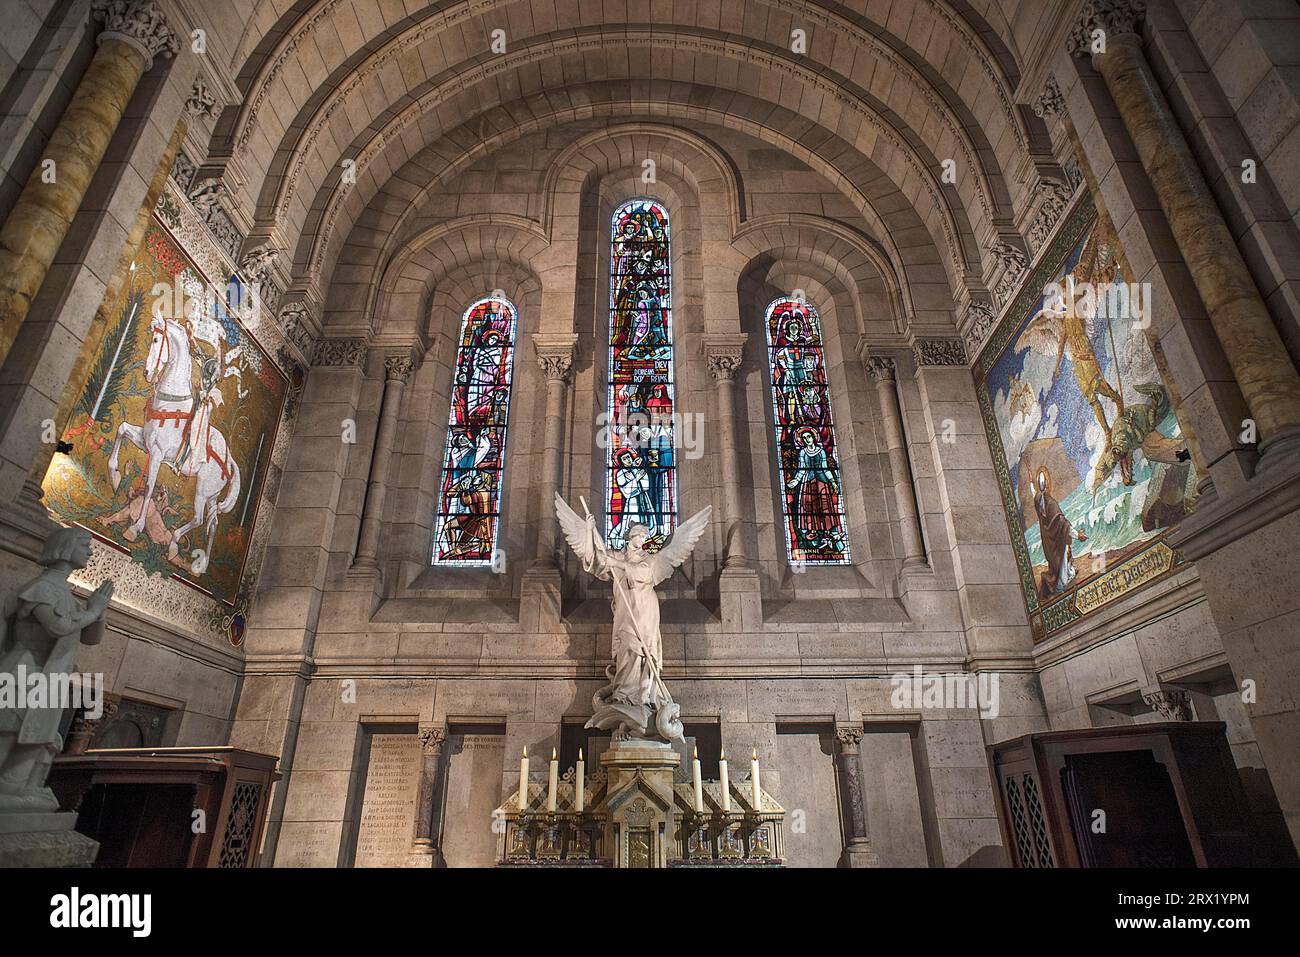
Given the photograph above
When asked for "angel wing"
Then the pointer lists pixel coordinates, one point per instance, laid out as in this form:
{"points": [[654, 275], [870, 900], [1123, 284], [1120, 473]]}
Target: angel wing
{"points": [[576, 532], [681, 544]]}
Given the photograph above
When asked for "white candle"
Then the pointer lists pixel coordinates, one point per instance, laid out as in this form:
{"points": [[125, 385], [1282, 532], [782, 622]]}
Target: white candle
{"points": [[699, 785], [726, 784], [523, 780], [579, 781], [552, 782], [753, 775]]}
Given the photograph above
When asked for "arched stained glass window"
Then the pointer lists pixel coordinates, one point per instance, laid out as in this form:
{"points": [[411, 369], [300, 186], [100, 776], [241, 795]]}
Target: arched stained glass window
{"points": [[812, 496], [469, 497], [641, 479]]}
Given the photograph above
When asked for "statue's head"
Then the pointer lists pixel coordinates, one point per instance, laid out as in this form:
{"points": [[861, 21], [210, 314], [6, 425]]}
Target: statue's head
{"points": [[71, 545], [637, 536]]}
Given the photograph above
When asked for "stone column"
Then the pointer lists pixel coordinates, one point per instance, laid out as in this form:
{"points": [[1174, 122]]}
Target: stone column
{"points": [[134, 33], [397, 371], [882, 370], [427, 823], [555, 357], [848, 756], [1254, 350], [723, 355]]}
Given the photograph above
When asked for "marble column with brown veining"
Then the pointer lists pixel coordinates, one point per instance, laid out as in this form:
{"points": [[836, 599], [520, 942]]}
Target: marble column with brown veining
{"points": [[881, 369], [112, 302], [555, 357], [723, 355], [427, 824], [397, 371], [134, 33], [848, 756], [1269, 383]]}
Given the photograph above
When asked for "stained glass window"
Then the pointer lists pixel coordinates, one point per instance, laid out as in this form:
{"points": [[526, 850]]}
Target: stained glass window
{"points": [[469, 497], [812, 496], [641, 480]]}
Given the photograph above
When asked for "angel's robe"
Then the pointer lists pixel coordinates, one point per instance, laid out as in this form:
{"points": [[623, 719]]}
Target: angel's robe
{"points": [[638, 646]]}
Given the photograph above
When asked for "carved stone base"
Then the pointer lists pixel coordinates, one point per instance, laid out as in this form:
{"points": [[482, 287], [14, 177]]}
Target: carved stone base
{"points": [[859, 855], [44, 839]]}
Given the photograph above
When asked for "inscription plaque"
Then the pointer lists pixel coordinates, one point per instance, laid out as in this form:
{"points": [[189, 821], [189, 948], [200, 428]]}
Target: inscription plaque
{"points": [[388, 808]]}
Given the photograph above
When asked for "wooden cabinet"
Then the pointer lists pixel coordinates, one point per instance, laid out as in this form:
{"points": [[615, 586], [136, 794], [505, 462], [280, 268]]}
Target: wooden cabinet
{"points": [[141, 804], [1150, 795]]}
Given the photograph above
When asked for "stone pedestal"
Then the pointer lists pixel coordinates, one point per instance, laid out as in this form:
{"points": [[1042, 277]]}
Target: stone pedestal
{"points": [[44, 839]]}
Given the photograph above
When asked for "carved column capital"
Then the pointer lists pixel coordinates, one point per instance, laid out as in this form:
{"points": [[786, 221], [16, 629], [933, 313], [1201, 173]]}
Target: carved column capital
{"points": [[1172, 704], [1050, 102], [398, 368], [138, 23], [849, 738], [432, 738], [340, 352], [939, 352], [202, 102], [1104, 20], [555, 354], [723, 355], [880, 368]]}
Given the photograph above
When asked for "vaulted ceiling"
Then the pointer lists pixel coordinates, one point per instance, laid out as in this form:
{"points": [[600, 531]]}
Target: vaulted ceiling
{"points": [[350, 112]]}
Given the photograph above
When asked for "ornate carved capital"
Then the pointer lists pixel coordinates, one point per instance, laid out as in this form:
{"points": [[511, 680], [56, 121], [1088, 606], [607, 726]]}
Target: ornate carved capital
{"points": [[555, 354], [432, 738], [723, 366], [880, 368], [295, 320], [340, 352], [849, 737], [982, 319], [1172, 704], [1012, 263], [1103, 20], [1054, 197], [1050, 102], [398, 368], [556, 365], [723, 355], [939, 352], [201, 101], [137, 23]]}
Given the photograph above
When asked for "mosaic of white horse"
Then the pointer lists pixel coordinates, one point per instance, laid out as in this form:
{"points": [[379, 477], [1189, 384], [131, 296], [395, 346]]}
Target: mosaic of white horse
{"points": [[169, 416]]}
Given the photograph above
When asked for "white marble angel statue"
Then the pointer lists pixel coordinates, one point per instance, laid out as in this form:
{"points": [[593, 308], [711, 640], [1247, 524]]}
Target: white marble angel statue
{"points": [[635, 703]]}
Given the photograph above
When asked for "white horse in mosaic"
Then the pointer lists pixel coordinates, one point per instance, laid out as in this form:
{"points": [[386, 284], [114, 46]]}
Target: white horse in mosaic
{"points": [[169, 418]]}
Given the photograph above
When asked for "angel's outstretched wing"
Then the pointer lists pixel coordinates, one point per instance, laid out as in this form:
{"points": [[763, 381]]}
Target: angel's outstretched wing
{"points": [[681, 544], [576, 531]]}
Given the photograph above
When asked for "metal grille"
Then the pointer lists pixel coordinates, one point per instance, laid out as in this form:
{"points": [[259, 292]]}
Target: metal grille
{"points": [[1038, 827], [236, 843]]}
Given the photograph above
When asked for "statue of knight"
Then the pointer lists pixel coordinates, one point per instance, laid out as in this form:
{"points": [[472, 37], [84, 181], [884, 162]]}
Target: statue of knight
{"points": [[635, 703], [41, 625]]}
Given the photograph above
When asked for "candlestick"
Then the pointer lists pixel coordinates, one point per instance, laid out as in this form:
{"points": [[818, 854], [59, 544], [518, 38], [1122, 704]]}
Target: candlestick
{"points": [[753, 776], [580, 781], [699, 785], [523, 780], [552, 782], [725, 782]]}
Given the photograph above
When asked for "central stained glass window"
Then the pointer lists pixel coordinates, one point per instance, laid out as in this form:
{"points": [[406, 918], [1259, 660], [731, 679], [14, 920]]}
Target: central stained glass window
{"points": [[469, 498], [812, 495], [641, 470]]}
